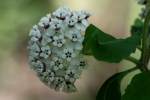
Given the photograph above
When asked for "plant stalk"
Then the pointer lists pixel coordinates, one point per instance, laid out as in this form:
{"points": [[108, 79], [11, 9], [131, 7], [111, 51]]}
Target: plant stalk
{"points": [[146, 42], [132, 59]]}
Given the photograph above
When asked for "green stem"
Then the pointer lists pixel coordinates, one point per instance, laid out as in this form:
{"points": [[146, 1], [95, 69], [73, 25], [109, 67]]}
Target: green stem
{"points": [[145, 42], [132, 59], [139, 48]]}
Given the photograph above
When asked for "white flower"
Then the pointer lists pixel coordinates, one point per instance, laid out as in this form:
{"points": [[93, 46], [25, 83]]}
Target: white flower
{"points": [[34, 50], [32, 59], [44, 40], [35, 33], [59, 41], [68, 54], [57, 63], [82, 23], [62, 13], [38, 66], [45, 51], [48, 76], [82, 64], [71, 20], [71, 75], [44, 22], [58, 83], [75, 36], [55, 26], [47, 38], [51, 76]]}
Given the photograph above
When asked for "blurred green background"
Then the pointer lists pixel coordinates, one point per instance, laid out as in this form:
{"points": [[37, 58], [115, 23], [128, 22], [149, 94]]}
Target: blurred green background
{"points": [[18, 82]]}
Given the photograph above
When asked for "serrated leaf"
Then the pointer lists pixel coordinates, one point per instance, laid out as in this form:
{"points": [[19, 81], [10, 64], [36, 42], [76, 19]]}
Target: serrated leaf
{"points": [[107, 48], [111, 88], [139, 88]]}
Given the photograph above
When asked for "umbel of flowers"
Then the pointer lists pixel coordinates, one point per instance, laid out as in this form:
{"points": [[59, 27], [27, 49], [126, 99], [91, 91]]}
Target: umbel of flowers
{"points": [[55, 45]]}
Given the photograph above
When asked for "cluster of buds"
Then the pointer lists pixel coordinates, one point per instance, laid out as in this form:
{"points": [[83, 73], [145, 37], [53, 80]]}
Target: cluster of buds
{"points": [[55, 46], [144, 10]]}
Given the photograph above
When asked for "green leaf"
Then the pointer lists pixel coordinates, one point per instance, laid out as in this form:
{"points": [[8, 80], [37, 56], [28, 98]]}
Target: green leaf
{"points": [[107, 48], [137, 27], [88, 41], [111, 88], [139, 88], [91, 36]]}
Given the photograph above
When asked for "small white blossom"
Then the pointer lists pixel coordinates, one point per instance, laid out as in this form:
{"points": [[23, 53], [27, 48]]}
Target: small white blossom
{"points": [[32, 60], [47, 38], [71, 20], [62, 13], [48, 76], [58, 83], [68, 54], [71, 75], [57, 63], [44, 40], [82, 64], [82, 23], [45, 51], [55, 26], [51, 76], [38, 66], [59, 41], [35, 34], [75, 36], [50, 38], [44, 22], [34, 50]]}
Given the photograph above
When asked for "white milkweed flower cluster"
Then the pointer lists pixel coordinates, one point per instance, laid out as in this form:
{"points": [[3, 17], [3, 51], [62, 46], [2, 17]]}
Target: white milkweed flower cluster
{"points": [[55, 48]]}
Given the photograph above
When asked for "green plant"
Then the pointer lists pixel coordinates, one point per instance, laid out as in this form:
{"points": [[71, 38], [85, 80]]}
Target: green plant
{"points": [[56, 54], [107, 48]]}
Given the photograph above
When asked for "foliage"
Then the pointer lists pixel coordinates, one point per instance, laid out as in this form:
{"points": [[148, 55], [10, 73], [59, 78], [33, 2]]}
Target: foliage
{"points": [[139, 88], [111, 88], [105, 47]]}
